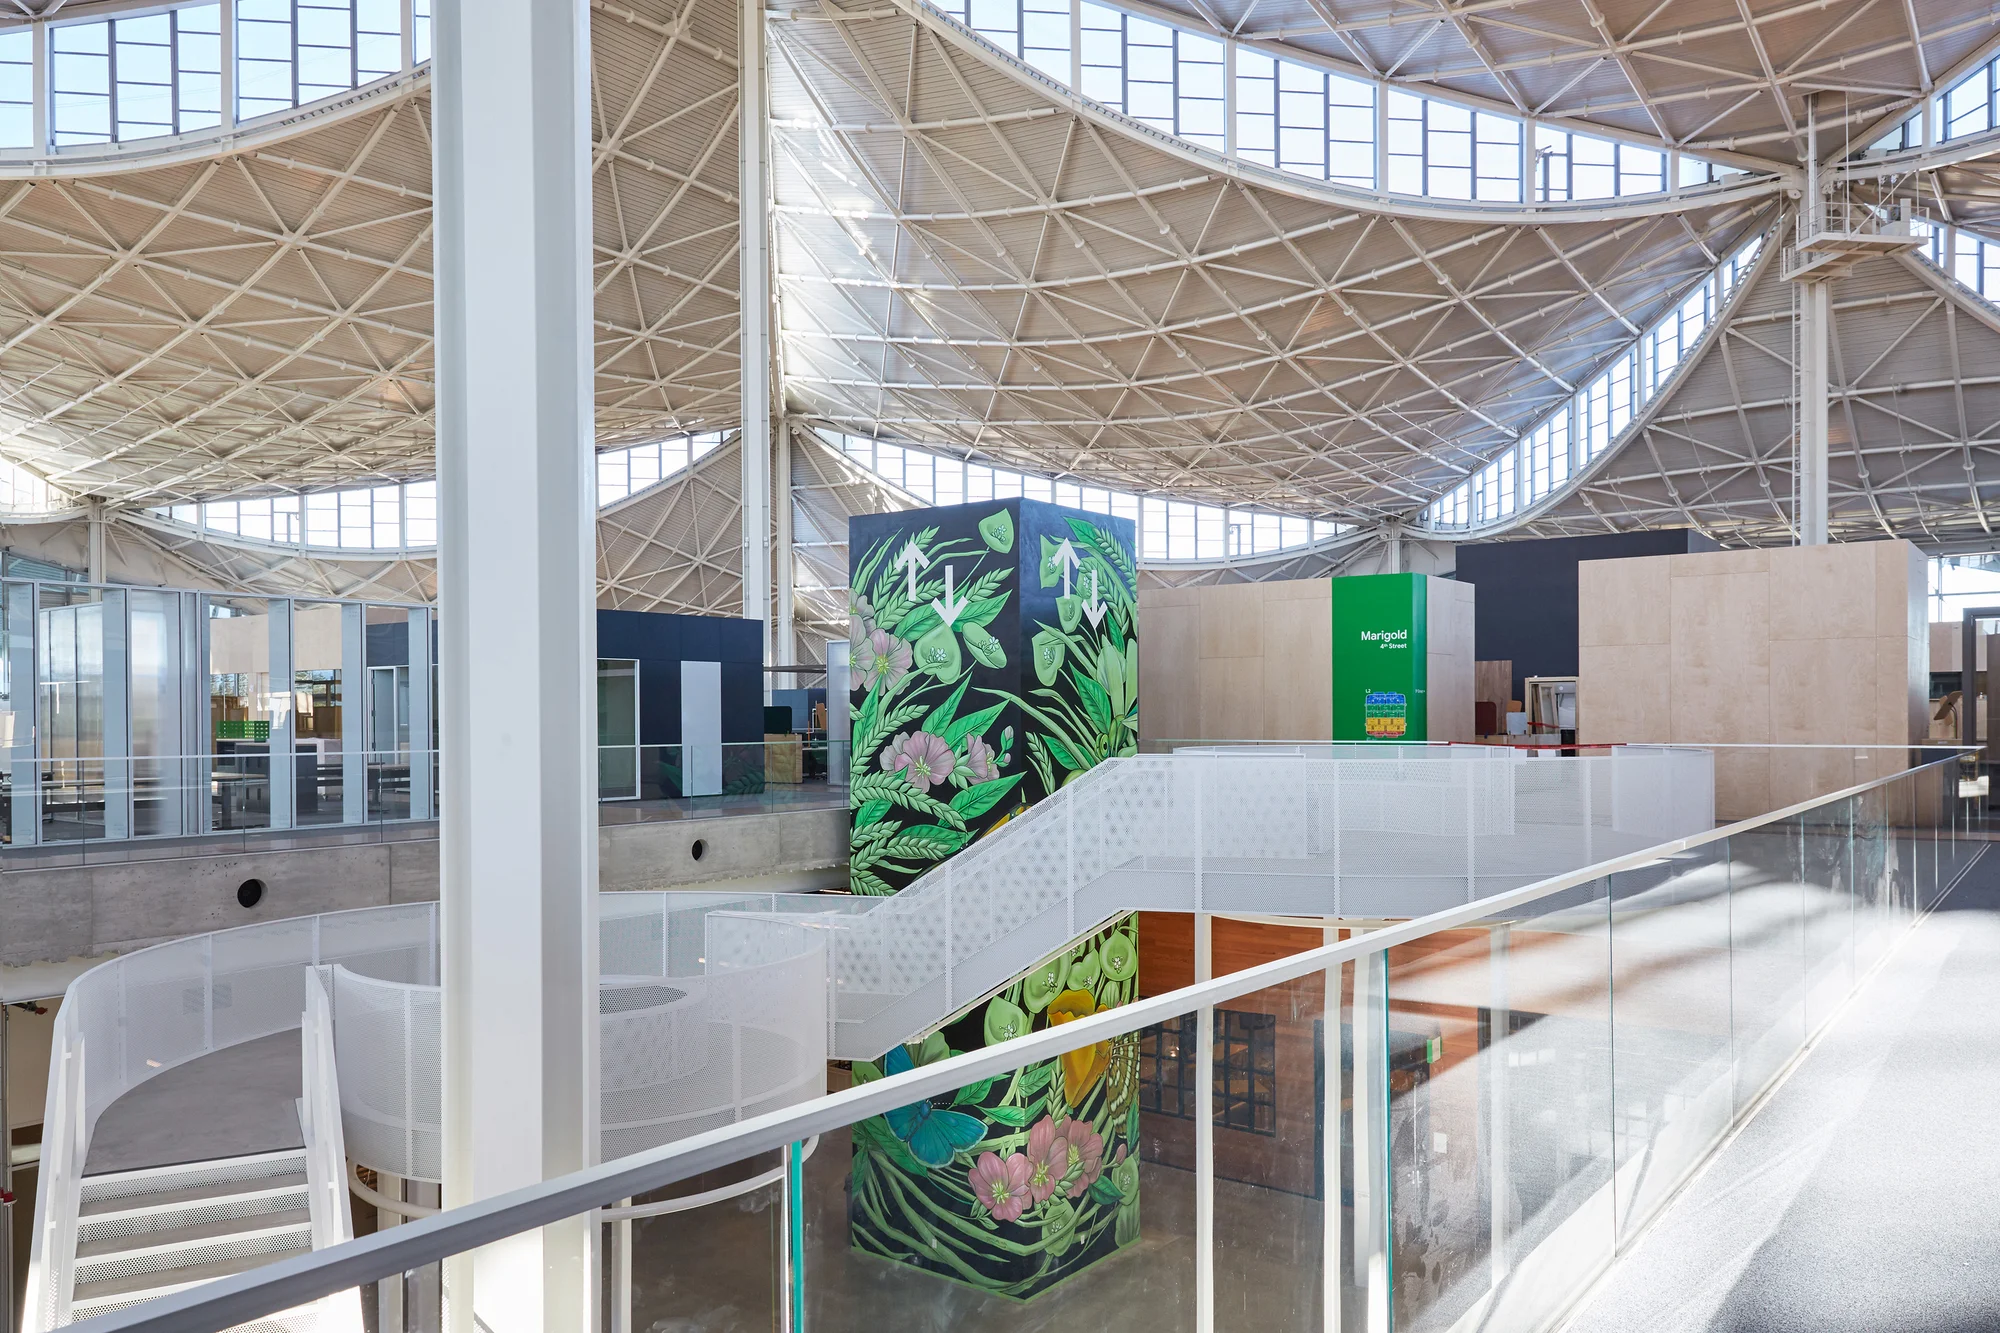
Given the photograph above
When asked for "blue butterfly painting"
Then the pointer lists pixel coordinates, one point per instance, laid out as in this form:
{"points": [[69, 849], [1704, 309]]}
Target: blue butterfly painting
{"points": [[935, 1136]]}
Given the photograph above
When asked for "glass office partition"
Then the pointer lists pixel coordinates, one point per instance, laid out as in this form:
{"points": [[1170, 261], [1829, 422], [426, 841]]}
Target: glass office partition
{"points": [[69, 635], [617, 728], [320, 685], [159, 740], [389, 708], [17, 713], [240, 712]]}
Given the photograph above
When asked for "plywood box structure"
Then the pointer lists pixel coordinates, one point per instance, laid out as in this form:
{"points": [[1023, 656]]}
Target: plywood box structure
{"points": [[1254, 661], [1824, 645]]}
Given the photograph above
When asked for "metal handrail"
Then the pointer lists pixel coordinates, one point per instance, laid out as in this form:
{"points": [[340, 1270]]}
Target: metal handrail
{"points": [[238, 1299]]}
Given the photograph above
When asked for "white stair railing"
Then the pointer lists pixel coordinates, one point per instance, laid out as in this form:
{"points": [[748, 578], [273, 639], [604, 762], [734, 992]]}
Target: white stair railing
{"points": [[328, 1201]]}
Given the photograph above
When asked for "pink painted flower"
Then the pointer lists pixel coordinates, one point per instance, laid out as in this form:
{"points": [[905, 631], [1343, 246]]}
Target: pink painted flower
{"points": [[882, 658], [1086, 1155], [921, 757], [979, 760], [1001, 1186], [1048, 1158]]}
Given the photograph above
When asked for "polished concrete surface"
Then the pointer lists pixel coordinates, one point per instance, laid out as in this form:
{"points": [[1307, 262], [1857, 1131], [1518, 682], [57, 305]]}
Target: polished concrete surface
{"points": [[238, 1100], [715, 1270], [1862, 1196]]}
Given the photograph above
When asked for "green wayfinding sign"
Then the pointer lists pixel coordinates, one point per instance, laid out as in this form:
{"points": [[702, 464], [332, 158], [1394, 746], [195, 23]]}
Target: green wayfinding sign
{"points": [[1378, 658]]}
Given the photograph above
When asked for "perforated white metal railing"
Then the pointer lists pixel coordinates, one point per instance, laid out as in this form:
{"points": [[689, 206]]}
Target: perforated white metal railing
{"points": [[138, 1016], [328, 1200], [1319, 830]]}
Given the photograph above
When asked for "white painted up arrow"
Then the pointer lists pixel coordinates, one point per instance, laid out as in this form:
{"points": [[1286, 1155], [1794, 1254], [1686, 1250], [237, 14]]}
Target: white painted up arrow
{"points": [[1067, 560], [913, 560]]}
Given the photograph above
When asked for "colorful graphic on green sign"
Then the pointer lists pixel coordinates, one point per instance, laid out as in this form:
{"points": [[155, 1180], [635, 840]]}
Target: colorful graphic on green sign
{"points": [[1379, 676]]}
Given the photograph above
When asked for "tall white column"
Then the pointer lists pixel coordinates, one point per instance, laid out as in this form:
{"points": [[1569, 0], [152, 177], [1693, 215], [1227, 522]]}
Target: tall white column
{"points": [[1814, 314], [753, 195], [1204, 1131], [516, 596], [784, 646]]}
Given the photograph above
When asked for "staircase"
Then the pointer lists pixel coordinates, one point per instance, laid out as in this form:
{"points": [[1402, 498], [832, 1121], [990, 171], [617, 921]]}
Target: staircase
{"points": [[142, 1234]]}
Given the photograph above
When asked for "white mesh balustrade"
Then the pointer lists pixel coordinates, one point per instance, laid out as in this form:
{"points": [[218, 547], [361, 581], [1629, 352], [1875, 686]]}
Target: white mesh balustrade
{"points": [[1322, 830], [388, 1042], [136, 1017]]}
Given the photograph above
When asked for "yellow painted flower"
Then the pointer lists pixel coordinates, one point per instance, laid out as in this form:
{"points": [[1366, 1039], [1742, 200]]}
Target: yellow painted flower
{"points": [[1084, 1067]]}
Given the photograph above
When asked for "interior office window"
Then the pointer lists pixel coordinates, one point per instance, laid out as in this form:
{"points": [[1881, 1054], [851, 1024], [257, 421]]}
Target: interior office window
{"points": [[1244, 1095], [17, 88]]}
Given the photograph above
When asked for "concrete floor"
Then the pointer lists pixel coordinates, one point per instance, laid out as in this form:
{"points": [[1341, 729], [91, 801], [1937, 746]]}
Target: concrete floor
{"points": [[714, 1270], [1862, 1197], [239, 1100]]}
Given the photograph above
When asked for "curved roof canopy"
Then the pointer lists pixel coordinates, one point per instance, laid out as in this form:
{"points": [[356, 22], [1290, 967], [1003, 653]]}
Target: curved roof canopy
{"points": [[971, 257]]}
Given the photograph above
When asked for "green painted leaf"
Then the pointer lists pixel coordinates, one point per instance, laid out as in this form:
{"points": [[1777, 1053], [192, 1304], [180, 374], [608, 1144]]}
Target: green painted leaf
{"points": [[1069, 610], [983, 611], [869, 883], [1063, 755], [870, 812], [997, 530], [1048, 651], [1096, 702], [1011, 1116], [1104, 1192], [973, 1093], [940, 717], [937, 652], [977, 799], [1036, 1077], [864, 1071], [985, 649], [970, 725]]}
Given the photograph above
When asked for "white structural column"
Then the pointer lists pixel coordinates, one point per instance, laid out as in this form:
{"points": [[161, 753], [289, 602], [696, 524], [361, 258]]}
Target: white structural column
{"points": [[753, 201], [784, 647], [1204, 1131], [518, 642], [1815, 311]]}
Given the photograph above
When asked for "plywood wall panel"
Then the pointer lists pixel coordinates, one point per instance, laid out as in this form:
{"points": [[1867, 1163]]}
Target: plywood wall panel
{"points": [[1822, 646]]}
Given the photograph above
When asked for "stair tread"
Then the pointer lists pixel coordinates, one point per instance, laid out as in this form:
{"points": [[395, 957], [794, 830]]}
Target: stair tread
{"points": [[93, 1209], [173, 1279], [274, 1157], [220, 1229]]}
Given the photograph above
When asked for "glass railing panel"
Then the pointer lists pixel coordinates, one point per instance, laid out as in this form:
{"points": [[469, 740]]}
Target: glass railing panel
{"points": [[716, 1266], [1673, 1061], [1281, 1141], [1826, 882], [1500, 1128], [1875, 914], [1767, 911]]}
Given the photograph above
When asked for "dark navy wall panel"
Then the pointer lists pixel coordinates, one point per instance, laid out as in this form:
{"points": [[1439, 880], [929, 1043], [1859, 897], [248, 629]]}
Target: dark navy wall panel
{"points": [[661, 642], [1526, 609]]}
